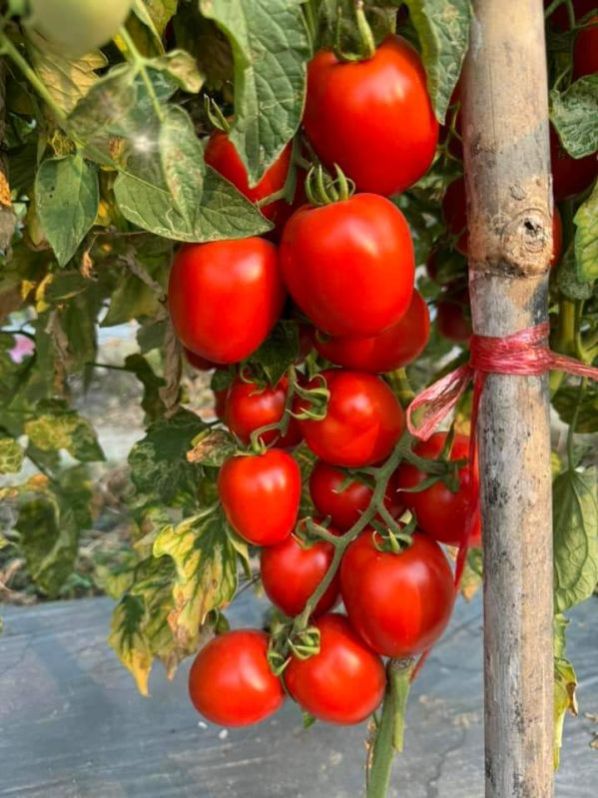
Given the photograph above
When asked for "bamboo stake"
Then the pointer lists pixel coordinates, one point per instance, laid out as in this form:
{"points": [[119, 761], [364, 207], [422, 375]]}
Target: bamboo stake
{"points": [[509, 217]]}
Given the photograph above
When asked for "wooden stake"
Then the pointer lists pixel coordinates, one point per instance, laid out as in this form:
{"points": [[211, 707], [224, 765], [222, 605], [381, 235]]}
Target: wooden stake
{"points": [[505, 131]]}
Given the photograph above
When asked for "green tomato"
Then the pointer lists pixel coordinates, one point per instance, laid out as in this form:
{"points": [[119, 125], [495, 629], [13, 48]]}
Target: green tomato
{"points": [[78, 26]]}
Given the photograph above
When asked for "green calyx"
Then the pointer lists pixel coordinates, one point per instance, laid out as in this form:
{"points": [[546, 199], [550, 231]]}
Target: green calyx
{"points": [[321, 189]]}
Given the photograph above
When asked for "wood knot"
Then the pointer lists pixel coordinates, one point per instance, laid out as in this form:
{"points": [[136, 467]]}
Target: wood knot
{"points": [[526, 242]]}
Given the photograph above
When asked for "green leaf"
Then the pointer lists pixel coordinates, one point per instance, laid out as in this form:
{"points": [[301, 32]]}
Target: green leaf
{"points": [[565, 685], [183, 166], [586, 237], [11, 456], [181, 68], [270, 48], [223, 213], [575, 529], [443, 30], [565, 400], [574, 114], [212, 447], [67, 80], [131, 299], [49, 540], [279, 350], [151, 402], [569, 280], [160, 12], [67, 196], [206, 573], [57, 427], [158, 462]]}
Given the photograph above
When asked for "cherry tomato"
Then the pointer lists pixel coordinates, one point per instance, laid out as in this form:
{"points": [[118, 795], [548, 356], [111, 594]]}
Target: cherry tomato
{"points": [[373, 118], [363, 423], [440, 513], [585, 52], [230, 681], [221, 155], [400, 603], [76, 27], [349, 265], [453, 317], [342, 499], [198, 362], [570, 175], [293, 569], [249, 407], [260, 495], [225, 297], [387, 351], [344, 683]]}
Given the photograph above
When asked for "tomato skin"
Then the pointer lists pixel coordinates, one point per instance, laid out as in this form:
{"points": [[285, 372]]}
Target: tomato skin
{"points": [[291, 571], [373, 118], [363, 423], [221, 155], [399, 604], [342, 684], [389, 350], [225, 296], [260, 495], [343, 500], [349, 265], [230, 681], [197, 361], [249, 407], [453, 317], [570, 175], [440, 513], [585, 51]]}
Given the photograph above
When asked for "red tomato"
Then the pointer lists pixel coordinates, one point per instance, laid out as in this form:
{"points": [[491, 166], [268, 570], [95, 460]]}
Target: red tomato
{"points": [[454, 212], [225, 297], [363, 424], [344, 683], [249, 407], [453, 317], [230, 681], [342, 499], [440, 513], [570, 175], [387, 351], [221, 155], [292, 570], [349, 265], [401, 603], [373, 118], [260, 495], [198, 362], [585, 52]]}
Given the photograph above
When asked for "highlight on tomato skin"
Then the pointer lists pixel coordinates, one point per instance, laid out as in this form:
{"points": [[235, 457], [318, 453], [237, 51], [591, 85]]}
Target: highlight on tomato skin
{"points": [[399, 603], [344, 683], [231, 682], [355, 116]]}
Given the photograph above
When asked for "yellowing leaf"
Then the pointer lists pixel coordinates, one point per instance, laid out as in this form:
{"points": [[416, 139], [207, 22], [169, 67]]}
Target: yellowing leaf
{"points": [[129, 642]]}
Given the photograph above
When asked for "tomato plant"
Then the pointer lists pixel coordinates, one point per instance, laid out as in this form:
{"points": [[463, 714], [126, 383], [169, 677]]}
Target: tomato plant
{"points": [[249, 407], [399, 602], [230, 681], [344, 682]]}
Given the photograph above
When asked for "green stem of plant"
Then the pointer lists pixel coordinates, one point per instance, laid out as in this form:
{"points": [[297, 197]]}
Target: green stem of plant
{"points": [[574, 420], [399, 382], [140, 63], [8, 48], [390, 732]]}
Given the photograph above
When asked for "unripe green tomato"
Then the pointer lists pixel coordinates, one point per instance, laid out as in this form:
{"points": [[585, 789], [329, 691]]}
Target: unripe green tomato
{"points": [[78, 26]]}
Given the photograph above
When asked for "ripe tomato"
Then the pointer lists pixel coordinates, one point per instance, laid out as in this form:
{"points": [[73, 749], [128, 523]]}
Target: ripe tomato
{"points": [[249, 407], [363, 423], [390, 350], [585, 52], [453, 316], [260, 495], [570, 175], [373, 118], [349, 265], [401, 603], [292, 570], [439, 512], [221, 155], [230, 681], [225, 297], [78, 27], [342, 499], [344, 683]]}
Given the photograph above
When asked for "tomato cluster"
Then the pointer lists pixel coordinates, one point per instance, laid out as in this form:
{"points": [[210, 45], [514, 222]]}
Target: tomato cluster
{"points": [[359, 526]]}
